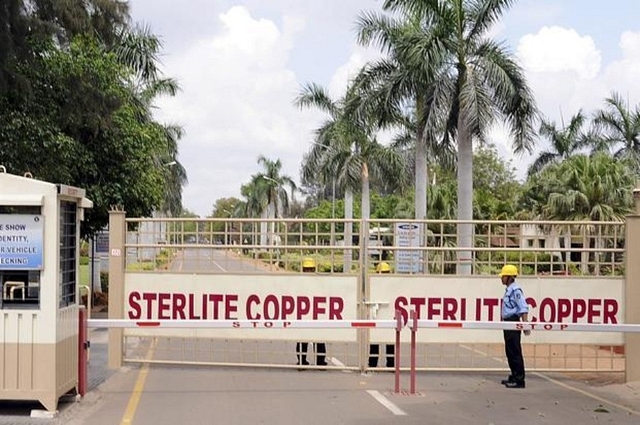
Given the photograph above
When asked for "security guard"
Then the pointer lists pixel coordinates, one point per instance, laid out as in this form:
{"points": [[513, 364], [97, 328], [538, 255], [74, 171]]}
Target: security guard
{"points": [[309, 266], [374, 349], [514, 309]]}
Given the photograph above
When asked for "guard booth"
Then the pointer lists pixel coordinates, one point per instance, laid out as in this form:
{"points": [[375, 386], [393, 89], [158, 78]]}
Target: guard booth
{"points": [[39, 306]]}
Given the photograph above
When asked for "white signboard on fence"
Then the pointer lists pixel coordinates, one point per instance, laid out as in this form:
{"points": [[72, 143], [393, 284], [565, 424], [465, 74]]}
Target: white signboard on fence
{"points": [[249, 297], [453, 298], [408, 235]]}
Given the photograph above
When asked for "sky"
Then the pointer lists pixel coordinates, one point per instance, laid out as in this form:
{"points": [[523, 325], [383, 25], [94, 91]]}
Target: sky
{"points": [[241, 63]]}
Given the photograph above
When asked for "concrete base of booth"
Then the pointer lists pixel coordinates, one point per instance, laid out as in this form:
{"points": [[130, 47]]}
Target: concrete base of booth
{"points": [[26, 372]]}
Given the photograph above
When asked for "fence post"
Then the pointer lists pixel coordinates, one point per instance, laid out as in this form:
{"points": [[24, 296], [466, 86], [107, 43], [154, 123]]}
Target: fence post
{"points": [[117, 257], [632, 290]]}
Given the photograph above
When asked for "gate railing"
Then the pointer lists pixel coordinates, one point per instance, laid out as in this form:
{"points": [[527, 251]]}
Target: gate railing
{"points": [[581, 248]]}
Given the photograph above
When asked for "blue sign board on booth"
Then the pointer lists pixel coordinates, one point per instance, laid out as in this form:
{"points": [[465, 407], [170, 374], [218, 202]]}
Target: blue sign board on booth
{"points": [[21, 241]]}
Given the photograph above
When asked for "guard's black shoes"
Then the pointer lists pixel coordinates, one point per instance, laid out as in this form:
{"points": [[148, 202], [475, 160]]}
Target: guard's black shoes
{"points": [[303, 363], [514, 385], [506, 381], [322, 363]]}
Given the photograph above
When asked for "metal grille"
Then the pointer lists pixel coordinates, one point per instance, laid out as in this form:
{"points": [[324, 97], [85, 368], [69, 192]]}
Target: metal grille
{"points": [[68, 255], [537, 247]]}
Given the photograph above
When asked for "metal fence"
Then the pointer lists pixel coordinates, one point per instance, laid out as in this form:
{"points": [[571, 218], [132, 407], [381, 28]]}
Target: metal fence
{"points": [[407, 246]]}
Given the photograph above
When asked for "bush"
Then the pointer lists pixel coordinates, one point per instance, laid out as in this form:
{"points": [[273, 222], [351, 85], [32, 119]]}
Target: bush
{"points": [[84, 261], [104, 282], [485, 269], [84, 248]]}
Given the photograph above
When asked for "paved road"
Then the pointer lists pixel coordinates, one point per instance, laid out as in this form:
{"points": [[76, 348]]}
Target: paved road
{"points": [[214, 260], [158, 395], [199, 395]]}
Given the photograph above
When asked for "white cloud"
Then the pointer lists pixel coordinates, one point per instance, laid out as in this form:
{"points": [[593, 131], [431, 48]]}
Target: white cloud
{"points": [[622, 75], [349, 70], [566, 73], [556, 49], [236, 104]]}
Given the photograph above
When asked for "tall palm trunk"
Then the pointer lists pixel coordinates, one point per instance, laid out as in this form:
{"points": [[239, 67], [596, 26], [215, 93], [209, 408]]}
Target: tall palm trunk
{"points": [[366, 198], [422, 175], [348, 228], [263, 228], [422, 178], [421, 171], [271, 214], [584, 255], [465, 195], [365, 213]]}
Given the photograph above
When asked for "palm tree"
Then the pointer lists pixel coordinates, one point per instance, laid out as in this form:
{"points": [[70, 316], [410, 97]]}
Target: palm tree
{"points": [[138, 49], [588, 188], [564, 142], [405, 81], [253, 205], [270, 191], [274, 184], [480, 82], [346, 149], [620, 128]]}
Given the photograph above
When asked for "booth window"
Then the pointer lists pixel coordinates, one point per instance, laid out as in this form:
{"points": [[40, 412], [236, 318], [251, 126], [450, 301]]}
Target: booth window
{"points": [[20, 288], [68, 254]]}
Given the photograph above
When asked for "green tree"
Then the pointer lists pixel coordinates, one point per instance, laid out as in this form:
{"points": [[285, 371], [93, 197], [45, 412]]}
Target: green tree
{"points": [[138, 50], [25, 25], [227, 207], [584, 188], [496, 191], [619, 128], [269, 197], [72, 74], [274, 185], [82, 130], [565, 142], [588, 188]]}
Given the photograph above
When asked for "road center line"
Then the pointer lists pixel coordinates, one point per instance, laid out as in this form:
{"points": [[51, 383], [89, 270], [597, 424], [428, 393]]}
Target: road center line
{"points": [[127, 419], [386, 403]]}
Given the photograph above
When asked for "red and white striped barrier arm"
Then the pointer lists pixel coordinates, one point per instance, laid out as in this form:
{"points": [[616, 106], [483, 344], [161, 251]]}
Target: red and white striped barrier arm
{"points": [[533, 326], [359, 324], [243, 324]]}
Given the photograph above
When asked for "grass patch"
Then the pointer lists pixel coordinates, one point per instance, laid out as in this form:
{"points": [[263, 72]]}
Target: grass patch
{"points": [[143, 266], [85, 275]]}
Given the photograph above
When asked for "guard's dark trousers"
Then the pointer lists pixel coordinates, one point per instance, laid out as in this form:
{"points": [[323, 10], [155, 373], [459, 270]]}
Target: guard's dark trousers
{"points": [[374, 354], [321, 352], [513, 350]]}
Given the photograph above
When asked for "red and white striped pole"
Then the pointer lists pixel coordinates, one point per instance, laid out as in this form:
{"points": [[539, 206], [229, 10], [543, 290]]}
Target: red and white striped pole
{"points": [[414, 328]]}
